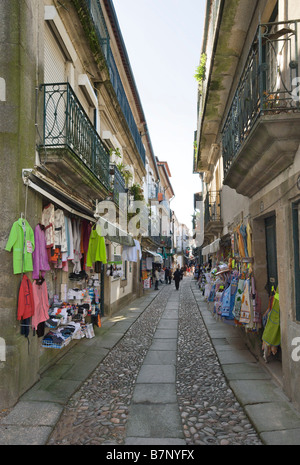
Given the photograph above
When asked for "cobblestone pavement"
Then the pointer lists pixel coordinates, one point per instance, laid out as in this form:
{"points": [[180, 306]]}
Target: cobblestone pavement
{"points": [[97, 413]]}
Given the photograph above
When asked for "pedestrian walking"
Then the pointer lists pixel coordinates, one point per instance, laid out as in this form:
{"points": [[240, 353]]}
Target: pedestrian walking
{"points": [[177, 278], [156, 276], [162, 275], [170, 276], [167, 274]]}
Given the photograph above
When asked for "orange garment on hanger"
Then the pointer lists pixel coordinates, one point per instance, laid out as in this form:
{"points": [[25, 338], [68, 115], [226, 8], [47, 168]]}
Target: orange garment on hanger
{"points": [[240, 243]]}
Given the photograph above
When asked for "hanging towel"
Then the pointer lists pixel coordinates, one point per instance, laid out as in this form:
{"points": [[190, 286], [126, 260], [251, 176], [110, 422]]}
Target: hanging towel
{"points": [[249, 240], [225, 307], [238, 299], [245, 306], [271, 334], [243, 232]]}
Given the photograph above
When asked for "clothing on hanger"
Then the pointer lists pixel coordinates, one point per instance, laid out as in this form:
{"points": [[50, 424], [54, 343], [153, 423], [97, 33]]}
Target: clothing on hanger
{"points": [[25, 299], [40, 256], [41, 303], [48, 220], [97, 249], [60, 238], [21, 240], [131, 254]]}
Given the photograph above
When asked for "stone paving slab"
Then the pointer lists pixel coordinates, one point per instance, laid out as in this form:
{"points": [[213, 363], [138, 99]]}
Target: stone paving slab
{"points": [[173, 306], [167, 323], [240, 371], [24, 435], [229, 343], [154, 393], [164, 344], [155, 441], [160, 357], [122, 326], [32, 414], [157, 374], [234, 356], [273, 416], [56, 390], [165, 334], [108, 340], [161, 420], [289, 437], [81, 370], [255, 391], [172, 315]]}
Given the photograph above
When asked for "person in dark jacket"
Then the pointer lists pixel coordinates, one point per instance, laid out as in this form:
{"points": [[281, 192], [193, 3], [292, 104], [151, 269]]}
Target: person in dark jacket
{"points": [[177, 278], [167, 273]]}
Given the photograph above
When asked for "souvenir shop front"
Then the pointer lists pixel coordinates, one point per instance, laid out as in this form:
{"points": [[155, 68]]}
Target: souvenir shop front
{"points": [[149, 263], [60, 260], [228, 284]]}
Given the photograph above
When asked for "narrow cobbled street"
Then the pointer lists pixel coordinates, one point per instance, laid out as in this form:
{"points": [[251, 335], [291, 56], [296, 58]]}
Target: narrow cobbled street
{"points": [[164, 364]]}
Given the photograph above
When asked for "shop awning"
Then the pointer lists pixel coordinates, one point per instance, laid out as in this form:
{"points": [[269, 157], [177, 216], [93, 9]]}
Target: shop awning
{"points": [[157, 257], [215, 246], [120, 236], [58, 199], [61, 199], [211, 248]]}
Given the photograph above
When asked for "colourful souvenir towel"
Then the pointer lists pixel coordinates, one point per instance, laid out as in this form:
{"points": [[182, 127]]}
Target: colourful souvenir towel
{"points": [[243, 232], [238, 299], [233, 291], [225, 307], [271, 334], [256, 304], [218, 303], [245, 307], [207, 290], [212, 294], [257, 311]]}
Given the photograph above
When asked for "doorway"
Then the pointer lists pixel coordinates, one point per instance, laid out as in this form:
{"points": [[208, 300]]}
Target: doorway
{"points": [[272, 282], [271, 254]]}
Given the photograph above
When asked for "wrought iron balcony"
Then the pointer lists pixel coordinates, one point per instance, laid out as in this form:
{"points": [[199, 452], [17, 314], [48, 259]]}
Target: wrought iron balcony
{"points": [[212, 214], [152, 191], [97, 17], [156, 193], [117, 183], [124, 104], [67, 126], [260, 137]]}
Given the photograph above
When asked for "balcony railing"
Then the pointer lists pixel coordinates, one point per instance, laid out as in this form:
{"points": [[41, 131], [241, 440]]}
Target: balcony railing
{"points": [[212, 207], [97, 17], [66, 125], [266, 87], [96, 13], [117, 183], [156, 193], [152, 191], [122, 99]]}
